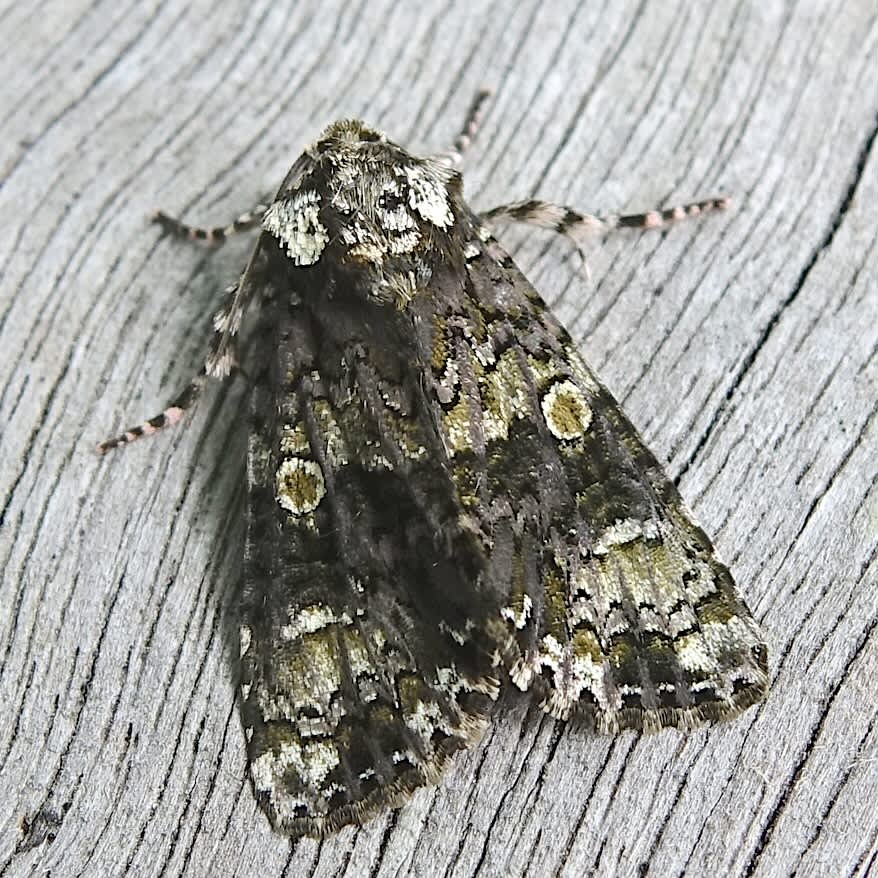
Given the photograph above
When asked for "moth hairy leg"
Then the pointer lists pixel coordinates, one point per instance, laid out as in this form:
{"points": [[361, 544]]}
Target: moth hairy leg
{"points": [[470, 127], [577, 226], [172, 413], [215, 236]]}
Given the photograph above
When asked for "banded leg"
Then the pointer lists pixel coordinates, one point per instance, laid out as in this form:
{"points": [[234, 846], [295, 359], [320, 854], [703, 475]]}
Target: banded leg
{"points": [[214, 236], [219, 363], [577, 226], [471, 125], [170, 415]]}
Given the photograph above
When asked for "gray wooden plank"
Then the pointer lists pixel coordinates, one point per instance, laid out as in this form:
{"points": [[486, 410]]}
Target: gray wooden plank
{"points": [[744, 346]]}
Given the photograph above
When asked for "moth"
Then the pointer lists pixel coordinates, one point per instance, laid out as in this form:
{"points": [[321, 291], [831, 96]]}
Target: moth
{"points": [[442, 497]]}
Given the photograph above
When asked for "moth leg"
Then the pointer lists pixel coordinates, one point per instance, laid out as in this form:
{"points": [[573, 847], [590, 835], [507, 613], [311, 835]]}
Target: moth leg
{"points": [[471, 125], [172, 413], [219, 363], [577, 226], [215, 236]]}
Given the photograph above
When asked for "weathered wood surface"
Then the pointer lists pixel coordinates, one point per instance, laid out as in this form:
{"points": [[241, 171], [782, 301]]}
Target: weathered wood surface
{"points": [[744, 346]]}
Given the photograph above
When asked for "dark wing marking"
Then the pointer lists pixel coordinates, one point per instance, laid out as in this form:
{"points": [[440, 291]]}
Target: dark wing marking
{"points": [[616, 607], [364, 662]]}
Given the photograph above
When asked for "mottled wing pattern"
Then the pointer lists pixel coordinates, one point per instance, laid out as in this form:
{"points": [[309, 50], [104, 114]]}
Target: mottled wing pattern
{"points": [[616, 609], [364, 663], [437, 484]]}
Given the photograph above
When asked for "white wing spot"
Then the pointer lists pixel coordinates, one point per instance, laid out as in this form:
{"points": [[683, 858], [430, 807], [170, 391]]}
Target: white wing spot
{"points": [[299, 485], [314, 617], [246, 636], [518, 617], [567, 413], [623, 531]]}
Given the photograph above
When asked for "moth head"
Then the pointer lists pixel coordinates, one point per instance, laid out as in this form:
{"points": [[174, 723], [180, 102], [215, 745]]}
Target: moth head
{"points": [[362, 207]]}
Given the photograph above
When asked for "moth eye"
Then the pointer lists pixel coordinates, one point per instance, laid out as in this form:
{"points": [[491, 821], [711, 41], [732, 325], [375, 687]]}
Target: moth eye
{"points": [[390, 200], [370, 137]]}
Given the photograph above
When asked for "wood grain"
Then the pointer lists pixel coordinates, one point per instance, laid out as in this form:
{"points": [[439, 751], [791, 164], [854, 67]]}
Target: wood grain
{"points": [[743, 346]]}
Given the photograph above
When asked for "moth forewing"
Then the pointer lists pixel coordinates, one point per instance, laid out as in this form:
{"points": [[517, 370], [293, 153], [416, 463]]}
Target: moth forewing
{"points": [[442, 496]]}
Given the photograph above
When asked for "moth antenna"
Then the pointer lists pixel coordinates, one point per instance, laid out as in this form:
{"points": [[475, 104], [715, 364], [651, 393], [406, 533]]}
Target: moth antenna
{"points": [[469, 129], [214, 236]]}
